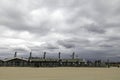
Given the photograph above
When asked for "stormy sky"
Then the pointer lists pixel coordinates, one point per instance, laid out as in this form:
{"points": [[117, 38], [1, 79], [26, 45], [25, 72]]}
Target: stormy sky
{"points": [[90, 28]]}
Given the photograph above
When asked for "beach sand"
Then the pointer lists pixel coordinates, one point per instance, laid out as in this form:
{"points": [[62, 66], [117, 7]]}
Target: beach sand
{"points": [[59, 73]]}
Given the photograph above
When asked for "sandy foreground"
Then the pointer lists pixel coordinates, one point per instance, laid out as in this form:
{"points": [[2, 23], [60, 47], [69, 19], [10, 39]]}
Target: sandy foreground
{"points": [[64, 73]]}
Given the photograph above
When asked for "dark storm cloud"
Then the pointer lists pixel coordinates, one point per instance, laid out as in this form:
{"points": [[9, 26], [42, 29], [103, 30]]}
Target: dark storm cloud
{"points": [[50, 46], [95, 29], [66, 44], [73, 43], [84, 26], [113, 38]]}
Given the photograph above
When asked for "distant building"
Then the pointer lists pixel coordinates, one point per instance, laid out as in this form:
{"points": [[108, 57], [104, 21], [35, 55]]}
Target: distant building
{"points": [[16, 62], [42, 62], [1, 62]]}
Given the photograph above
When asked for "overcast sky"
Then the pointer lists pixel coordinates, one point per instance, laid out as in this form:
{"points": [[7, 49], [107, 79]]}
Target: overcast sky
{"points": [[90, 28]]}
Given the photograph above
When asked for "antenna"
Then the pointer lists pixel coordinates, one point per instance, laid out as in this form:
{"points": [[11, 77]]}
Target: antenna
{"points": [[30, 55], [44, 56], [59, 55], [15, 55], [73, 55]]}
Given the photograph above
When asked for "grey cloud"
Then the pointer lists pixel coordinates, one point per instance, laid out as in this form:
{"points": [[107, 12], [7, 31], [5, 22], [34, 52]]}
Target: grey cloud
{"points": [[106, 45], [20, 48], [84, 26]]}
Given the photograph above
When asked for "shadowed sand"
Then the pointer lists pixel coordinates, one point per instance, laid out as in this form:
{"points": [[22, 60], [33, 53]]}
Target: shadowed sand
{"points": [[64, 73]]}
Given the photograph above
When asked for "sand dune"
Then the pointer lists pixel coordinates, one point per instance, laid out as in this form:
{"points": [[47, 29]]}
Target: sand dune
{"points": [[64, 73]]}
